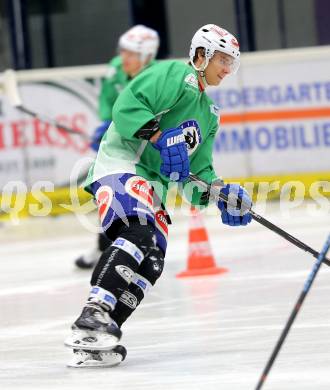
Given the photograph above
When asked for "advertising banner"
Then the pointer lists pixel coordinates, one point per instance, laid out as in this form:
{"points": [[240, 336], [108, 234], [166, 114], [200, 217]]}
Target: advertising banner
{"points": [[275, 115], [32, 150]]}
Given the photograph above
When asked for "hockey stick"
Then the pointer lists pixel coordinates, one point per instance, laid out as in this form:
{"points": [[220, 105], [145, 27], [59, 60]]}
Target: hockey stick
{"points": [[216, 194], [11, 91], [306, 288]]}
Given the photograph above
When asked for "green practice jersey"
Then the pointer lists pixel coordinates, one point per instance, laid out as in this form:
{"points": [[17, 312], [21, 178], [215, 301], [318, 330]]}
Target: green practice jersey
{"points": [[168, 91], [115, 81]]}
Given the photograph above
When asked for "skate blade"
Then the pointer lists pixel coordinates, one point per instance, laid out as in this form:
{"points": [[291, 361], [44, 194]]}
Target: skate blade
{"points": [[85, 359], [92, 341], [95, 363]]}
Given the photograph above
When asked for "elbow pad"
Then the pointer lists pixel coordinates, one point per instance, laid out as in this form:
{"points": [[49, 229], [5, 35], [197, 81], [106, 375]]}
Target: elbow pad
{"points": [[148, 130]]}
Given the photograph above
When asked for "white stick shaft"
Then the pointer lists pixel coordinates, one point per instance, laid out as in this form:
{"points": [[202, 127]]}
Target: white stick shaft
{"points": [[10, 88]]}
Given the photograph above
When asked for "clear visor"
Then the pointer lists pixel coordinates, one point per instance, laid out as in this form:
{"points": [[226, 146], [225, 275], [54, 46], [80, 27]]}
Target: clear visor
{"points": [[231, 63]]}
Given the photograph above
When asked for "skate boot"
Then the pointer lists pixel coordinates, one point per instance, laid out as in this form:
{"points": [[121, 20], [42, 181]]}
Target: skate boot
{"points": [[84, 358], [94, 330], [89, 260]]}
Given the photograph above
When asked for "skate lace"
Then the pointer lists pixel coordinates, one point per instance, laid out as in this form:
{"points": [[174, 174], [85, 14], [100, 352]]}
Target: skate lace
{"points": [[99, 314], [102, 317]]}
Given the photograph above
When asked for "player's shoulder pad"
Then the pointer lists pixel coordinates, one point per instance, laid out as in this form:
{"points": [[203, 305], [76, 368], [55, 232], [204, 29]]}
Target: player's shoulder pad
{"points": [[172, 69], [174, 65], [186, 73]]}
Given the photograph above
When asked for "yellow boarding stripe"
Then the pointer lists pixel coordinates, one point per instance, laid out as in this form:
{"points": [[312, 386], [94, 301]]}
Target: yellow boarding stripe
{"points": [[300, 185], [57, 202], [61, 200], [273, 187]]}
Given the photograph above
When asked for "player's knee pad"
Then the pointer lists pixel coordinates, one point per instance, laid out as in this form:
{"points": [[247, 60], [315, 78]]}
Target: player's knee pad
{"points": [[119, 262], [143, 236], [103, 242], [145, 277], [127, 303], [122, 258], [130, 299], [152, 266]]}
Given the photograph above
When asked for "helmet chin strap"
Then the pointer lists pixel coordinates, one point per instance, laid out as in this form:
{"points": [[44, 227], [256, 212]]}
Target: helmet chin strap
{"points": [[201, 71], [145, 59], [202, 74]]}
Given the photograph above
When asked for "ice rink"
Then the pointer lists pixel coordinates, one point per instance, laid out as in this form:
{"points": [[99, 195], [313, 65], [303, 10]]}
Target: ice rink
{"points": [[203, 333]]}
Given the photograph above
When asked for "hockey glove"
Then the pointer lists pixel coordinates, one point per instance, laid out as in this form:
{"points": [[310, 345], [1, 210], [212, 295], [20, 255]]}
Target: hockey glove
{"points": [[98, 134], [174, 155], [232, 213]]}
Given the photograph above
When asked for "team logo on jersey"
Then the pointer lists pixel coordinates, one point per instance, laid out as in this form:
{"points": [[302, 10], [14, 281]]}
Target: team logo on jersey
{"points": [[140, 189], [192, 135], [191, 79], [103, 197], [215, 110], [161, 222]]}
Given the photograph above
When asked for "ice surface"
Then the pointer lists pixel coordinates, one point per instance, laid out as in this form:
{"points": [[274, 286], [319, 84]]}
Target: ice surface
{"points": [[200, 333]]}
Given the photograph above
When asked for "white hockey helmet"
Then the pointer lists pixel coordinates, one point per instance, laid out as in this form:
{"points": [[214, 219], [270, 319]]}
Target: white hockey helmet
{"points": [[214, 38], [142, 40]]}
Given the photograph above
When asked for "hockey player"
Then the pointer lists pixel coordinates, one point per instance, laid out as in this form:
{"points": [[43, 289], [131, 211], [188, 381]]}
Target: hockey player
{"points": [[163, 128], [137, 50]]}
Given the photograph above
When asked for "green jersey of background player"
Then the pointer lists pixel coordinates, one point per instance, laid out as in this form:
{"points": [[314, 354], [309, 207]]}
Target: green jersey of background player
{"points": [[137, 50], [163, 128]]}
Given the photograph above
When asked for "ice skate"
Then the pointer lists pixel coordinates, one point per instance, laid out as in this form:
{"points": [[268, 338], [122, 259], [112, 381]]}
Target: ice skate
{"points": [[88, 260], [89, 359], [94, 330]]}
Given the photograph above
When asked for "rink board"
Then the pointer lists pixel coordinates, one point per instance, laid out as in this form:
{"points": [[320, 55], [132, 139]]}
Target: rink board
{"points": [[274, 128]]}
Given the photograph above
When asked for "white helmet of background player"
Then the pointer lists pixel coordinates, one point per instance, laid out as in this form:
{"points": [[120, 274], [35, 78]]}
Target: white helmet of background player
{"points": [[140, 39], [213, 38]]}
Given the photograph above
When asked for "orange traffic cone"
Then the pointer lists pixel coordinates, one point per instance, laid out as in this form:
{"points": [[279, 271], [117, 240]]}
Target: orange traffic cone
{"points": [[200, 257]]}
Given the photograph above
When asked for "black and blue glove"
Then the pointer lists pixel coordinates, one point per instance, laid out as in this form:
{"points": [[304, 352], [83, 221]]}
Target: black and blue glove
{"points": [[98, 134], [174, 154], [232, 213]]}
